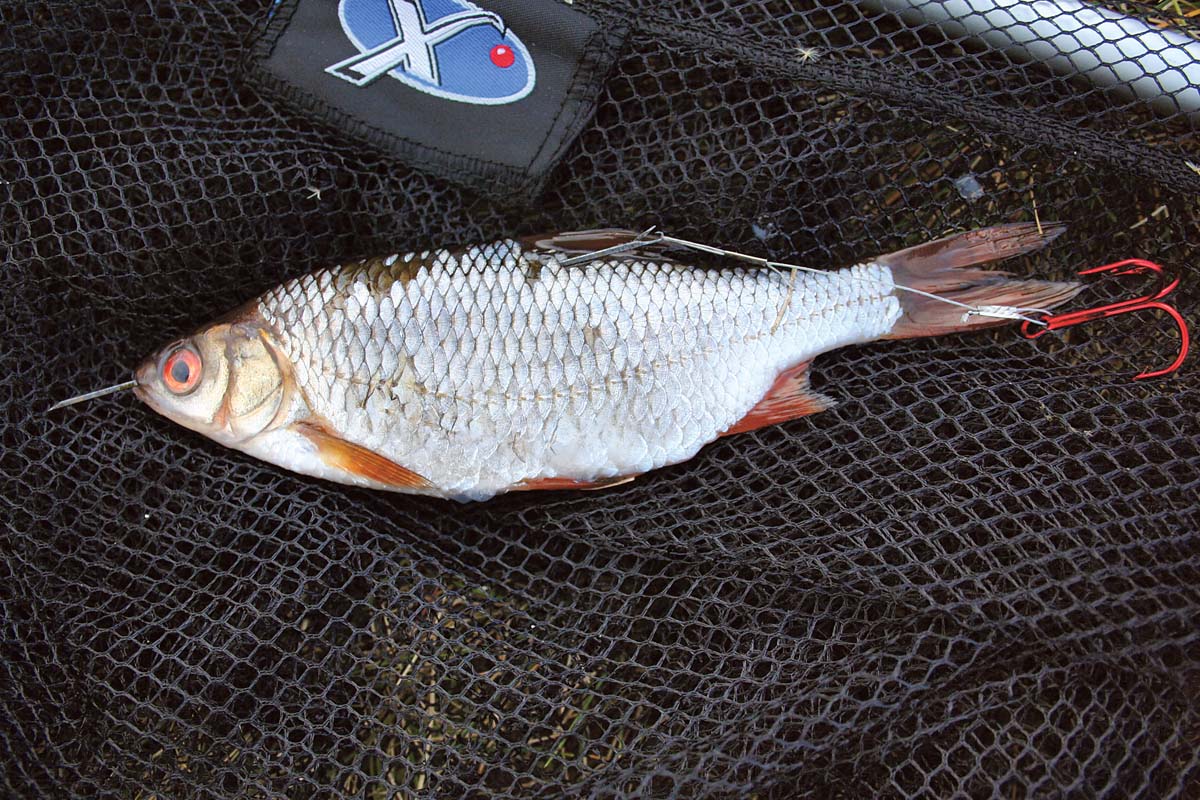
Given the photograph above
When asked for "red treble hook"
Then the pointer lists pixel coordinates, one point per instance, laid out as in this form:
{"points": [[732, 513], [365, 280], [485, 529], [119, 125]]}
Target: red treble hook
{"points": [[1130, 266]]}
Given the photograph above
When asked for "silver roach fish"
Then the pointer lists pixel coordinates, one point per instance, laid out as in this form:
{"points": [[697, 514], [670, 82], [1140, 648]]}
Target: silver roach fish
{"points": [[469, 373]]}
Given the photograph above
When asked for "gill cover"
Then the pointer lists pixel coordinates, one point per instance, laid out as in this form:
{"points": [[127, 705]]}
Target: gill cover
{"points": [[225, 381], [256, 381]]}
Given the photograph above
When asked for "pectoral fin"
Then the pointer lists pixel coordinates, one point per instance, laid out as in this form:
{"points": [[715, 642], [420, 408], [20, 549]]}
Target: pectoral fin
{"points": [[788, 398], [357, 460]]}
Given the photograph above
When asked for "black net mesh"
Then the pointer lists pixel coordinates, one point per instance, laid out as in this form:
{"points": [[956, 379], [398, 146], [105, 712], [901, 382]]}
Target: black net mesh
{"points": [[978, 576]]}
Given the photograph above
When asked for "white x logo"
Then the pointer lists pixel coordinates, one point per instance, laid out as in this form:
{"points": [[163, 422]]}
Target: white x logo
{"points": [[412, 48]]}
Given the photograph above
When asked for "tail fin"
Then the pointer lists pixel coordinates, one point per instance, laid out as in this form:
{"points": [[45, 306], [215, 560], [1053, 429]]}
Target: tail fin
{"points": [[941, 267]]}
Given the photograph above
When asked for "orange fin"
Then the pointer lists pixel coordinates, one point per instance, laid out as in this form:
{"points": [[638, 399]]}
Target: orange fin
{"points": [[945, 268], [940, 265], [579, 242], [534, 484], [788, 398], [337, 452]]}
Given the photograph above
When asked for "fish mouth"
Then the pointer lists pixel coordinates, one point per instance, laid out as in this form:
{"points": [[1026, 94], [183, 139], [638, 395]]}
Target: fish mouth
{"points": [[144, 375]]}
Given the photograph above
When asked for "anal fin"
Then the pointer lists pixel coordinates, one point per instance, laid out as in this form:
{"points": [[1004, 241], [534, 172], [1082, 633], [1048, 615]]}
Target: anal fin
{"points": [[357, 460], [788, 398]]}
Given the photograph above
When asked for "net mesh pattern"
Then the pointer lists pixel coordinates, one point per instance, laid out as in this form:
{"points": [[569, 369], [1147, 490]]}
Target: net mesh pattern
{"points": [[976, 576]]}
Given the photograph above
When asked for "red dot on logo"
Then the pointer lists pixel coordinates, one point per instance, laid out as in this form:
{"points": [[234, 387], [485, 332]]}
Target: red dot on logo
{"points": [[502, 56]]}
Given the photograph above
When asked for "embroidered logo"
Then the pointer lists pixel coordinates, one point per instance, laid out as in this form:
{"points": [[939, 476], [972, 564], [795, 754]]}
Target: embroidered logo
{"points": [[446, 48]]}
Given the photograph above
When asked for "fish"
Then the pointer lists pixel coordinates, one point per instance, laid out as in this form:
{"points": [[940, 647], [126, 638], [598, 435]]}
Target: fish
{"points": [[471, 372]]}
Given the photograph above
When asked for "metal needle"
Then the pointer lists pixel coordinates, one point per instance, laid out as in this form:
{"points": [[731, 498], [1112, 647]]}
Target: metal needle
{"points": [[120, 387]]}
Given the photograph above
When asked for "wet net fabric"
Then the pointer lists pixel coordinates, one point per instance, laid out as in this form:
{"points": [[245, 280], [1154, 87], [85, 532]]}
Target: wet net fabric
{"points": [[978, 575]]}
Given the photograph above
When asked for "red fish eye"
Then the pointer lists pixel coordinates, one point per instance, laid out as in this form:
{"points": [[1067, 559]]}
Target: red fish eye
{"points": [[181, 370], [502, 56]]}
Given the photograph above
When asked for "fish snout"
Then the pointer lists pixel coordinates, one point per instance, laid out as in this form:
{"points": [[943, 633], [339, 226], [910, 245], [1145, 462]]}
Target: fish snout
{"points": [[146, 374]]}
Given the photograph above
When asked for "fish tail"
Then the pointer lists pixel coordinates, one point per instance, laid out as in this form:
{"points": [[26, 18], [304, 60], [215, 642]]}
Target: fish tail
{"points": [[945, 268]]}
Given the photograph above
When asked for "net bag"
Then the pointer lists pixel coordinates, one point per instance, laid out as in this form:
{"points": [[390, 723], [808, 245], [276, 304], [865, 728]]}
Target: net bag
{"points": [[977, 576]]}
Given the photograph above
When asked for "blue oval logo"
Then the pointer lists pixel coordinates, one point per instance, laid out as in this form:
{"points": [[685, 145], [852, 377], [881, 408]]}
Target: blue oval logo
{"points": [[447, 48]]}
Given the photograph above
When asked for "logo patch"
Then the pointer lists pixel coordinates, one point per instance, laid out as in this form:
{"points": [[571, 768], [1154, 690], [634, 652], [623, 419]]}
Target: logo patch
{"points": [[448, 87], [451, 49]]}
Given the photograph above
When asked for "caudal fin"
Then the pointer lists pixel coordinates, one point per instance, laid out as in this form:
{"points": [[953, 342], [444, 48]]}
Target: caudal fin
{"points": [[943, 268]]}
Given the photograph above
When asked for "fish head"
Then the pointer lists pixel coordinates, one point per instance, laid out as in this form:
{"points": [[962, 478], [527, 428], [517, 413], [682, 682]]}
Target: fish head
{"points": [[228, 380]]}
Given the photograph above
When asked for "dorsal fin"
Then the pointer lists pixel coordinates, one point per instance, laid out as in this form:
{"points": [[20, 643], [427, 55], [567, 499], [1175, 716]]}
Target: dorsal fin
{"points": [[575, 243], [788, 398]]}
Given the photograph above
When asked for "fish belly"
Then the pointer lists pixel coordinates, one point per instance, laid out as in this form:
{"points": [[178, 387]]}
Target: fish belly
{"points": [[490, 368]]}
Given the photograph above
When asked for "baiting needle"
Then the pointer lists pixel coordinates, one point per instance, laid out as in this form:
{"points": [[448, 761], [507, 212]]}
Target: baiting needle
{"points": [[70, 401]]}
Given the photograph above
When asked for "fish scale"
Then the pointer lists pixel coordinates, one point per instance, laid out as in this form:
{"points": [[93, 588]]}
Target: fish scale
{"points": [[511, 367], [606, 369]]}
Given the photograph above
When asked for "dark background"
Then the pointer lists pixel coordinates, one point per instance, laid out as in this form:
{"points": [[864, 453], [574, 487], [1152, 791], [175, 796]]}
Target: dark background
{"points": [[976, 576]]}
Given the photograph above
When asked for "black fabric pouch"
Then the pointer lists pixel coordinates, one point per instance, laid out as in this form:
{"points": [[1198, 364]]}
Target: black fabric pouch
{"points": [[487, 94]]}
